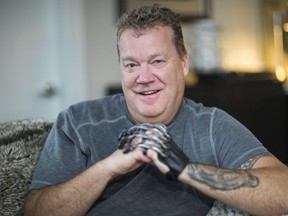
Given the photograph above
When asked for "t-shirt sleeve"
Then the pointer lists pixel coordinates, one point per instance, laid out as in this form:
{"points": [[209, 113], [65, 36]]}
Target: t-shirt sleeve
{"points": [[234, 143], [61, 158]]}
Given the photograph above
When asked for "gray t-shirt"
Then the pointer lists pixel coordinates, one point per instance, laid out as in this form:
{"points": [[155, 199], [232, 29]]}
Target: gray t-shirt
{"points": [[88, 132]]}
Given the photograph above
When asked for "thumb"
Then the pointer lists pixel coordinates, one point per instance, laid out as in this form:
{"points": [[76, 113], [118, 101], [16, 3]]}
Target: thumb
{"points": [[153, 155]]}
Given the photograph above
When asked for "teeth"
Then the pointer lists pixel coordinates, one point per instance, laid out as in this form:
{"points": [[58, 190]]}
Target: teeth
{"points": [[149, 92]]}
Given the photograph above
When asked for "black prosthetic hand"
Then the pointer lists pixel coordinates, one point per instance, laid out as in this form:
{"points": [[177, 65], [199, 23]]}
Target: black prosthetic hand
{"points": [[176, 160], [155, 137]]}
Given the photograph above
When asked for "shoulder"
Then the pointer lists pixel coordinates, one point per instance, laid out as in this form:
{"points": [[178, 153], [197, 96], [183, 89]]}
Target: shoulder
{"points": [[199, 111], [199, 108], [95, 110], [214, 115], [101, 103], [232, 142]]}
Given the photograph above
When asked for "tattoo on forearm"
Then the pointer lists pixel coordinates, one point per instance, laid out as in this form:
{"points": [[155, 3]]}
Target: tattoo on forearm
{"points": [[221, 179]]}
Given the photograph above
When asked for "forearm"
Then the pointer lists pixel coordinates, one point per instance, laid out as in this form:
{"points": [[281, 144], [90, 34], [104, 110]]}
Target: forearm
{"points": [[259, 191], [73, 197]]}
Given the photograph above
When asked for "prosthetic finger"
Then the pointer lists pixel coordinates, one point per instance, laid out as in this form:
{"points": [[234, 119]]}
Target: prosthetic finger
{"points": [[145, 150], [148, 131]]}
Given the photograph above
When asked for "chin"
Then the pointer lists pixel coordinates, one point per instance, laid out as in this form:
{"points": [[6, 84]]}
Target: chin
{"points": [[150, 115]]}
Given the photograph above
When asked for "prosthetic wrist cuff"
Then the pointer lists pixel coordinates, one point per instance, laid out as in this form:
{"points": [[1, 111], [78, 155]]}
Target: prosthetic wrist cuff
{"points": [[176, 160]]}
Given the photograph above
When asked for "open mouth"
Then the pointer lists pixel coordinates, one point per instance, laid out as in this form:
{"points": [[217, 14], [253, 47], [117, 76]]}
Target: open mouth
{"points": [[149, 92]]}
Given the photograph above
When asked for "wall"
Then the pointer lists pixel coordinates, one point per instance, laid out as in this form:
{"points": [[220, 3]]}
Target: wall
{"points": [[102, 59], [42, 44], [240, 34]]}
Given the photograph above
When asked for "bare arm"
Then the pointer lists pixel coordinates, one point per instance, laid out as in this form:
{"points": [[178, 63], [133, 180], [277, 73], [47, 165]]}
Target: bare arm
{"points": [[77, 195], [73, 197], [261, 190]]}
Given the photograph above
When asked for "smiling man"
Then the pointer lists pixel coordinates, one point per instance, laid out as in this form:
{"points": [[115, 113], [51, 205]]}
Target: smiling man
{"points": [[153, 74], [150, 151]]}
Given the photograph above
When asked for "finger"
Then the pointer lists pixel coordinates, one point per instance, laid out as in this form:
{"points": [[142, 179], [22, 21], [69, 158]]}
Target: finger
{"points": [[154, 157], [140, 156], [145, 150]]}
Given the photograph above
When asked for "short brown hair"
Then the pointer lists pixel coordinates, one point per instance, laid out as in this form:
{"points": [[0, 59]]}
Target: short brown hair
{"points": [[149, 16]]}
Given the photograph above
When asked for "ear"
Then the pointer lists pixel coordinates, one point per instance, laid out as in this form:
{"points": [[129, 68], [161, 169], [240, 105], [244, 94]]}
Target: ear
{"points": [[185, 63]]}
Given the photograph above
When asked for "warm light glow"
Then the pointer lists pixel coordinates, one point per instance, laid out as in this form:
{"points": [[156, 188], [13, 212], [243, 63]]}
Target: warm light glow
{"points": [[241, 54], [280, 74], [285, 27], [279, 54]]}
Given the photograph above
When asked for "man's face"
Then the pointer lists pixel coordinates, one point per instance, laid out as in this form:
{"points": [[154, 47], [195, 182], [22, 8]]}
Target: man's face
{"points": [[153, 74]]}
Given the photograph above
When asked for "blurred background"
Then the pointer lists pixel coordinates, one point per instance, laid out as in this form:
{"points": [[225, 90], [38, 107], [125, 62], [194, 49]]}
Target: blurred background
{"points": [[54, 53]]}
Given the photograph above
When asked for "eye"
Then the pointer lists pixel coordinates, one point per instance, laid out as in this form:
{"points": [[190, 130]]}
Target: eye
{"points": [[158, 61], [130, 65]]}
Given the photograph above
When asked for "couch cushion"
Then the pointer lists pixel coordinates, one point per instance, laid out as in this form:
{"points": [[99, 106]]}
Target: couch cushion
{"points": [[20, 145]]}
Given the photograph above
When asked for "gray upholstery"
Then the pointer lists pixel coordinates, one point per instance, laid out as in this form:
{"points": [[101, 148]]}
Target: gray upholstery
{"points": [[20, 145]]}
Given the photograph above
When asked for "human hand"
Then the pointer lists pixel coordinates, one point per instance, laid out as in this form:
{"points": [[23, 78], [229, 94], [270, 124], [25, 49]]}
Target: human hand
{"points": [[119, 163], [169, 159]]}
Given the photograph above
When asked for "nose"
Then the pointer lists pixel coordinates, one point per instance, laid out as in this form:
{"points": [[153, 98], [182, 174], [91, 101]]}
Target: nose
{"points": [[145, 75]]}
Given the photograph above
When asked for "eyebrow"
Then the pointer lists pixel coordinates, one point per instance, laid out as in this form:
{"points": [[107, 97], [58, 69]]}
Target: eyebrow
{"points": [[130, 58], [127, 58]]}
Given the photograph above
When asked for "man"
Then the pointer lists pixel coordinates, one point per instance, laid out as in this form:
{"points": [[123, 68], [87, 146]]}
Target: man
{"points": [[173, 156]]}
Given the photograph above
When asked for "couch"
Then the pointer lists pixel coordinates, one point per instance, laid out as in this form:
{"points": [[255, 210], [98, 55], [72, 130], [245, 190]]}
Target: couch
{"points": [[20, 144]]}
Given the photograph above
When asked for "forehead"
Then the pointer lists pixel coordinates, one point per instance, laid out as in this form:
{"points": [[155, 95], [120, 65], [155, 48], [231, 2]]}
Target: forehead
{"points": [[146, 44], [156, 36]]}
